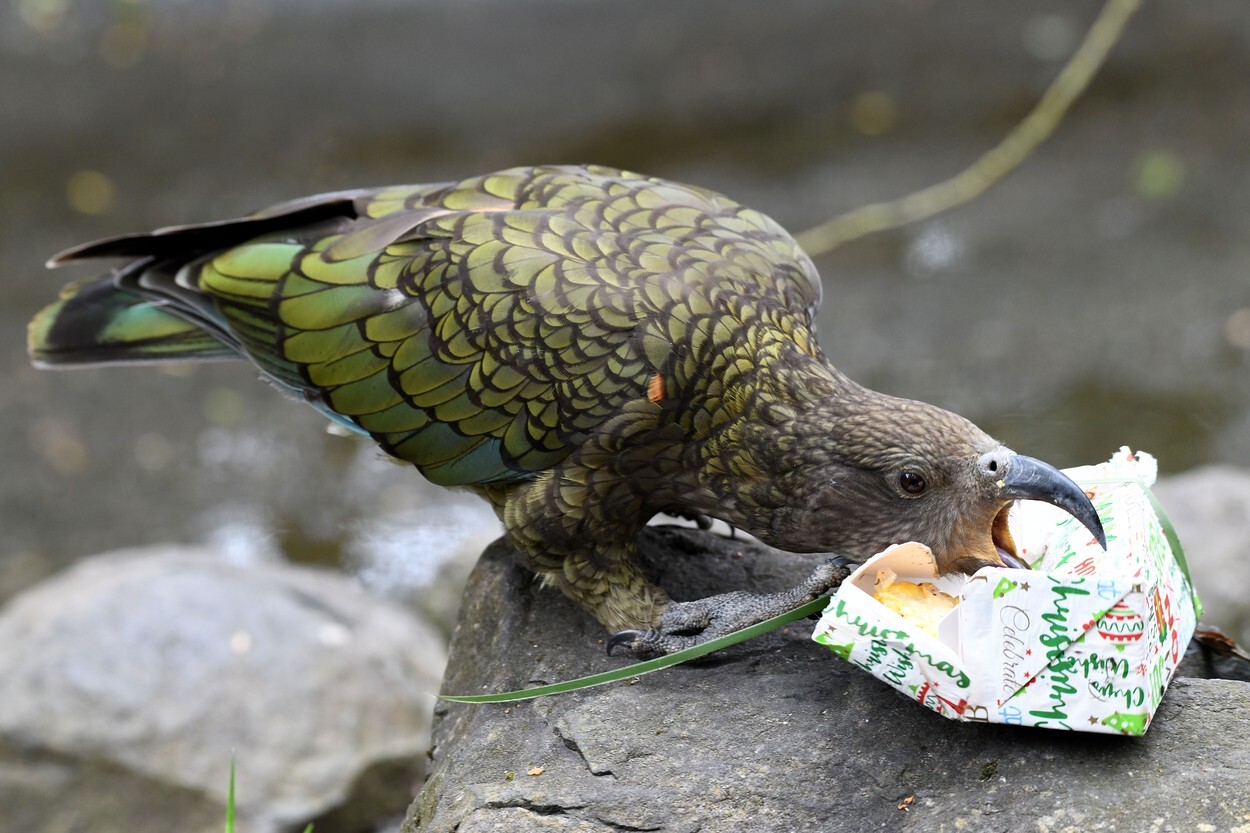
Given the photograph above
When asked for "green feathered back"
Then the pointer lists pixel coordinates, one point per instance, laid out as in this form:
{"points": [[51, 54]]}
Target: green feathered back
{"points": [[480, 330]]}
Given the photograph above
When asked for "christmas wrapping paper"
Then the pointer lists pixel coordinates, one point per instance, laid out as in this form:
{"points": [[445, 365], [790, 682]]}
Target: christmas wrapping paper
{"points": [[1086, 641]]}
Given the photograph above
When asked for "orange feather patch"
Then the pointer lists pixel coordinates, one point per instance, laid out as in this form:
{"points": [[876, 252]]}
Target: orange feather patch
{"points": [[655, 388]]}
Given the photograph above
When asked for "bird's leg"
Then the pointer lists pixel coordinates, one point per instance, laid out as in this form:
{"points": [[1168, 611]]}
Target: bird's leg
{"points": [[611, 588], [583, 547], [576, 525], [684, 624]]}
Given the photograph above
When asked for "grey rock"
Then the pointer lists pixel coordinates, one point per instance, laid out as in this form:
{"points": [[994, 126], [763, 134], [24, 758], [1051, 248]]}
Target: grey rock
{"points": [[1210, 507], [777, 734], [131, 681]]}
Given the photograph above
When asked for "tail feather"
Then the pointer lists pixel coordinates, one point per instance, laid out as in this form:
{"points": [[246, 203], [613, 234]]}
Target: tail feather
{"points": [[143, 313], [177, 241], [96, 323]]}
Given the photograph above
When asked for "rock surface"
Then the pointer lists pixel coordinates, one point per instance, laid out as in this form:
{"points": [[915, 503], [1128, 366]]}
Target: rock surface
{"points": [[130, 682], [775, 734]]}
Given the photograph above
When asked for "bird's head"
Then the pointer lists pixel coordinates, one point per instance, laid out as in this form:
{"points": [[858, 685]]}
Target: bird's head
{"points": [[907, 471]]}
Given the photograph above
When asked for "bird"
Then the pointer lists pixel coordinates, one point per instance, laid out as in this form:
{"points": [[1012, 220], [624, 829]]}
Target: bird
{"points": [[585, 348]]}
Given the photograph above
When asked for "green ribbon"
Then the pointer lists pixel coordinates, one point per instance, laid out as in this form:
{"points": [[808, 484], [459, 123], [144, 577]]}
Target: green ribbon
{"points": [[647, 666]]}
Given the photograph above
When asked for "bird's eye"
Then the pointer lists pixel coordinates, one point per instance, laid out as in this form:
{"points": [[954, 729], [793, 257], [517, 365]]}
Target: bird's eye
{"points": [[912, 483]]}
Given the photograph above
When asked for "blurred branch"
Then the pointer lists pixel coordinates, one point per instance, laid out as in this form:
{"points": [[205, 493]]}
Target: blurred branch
{"points": [[1000, 160]]}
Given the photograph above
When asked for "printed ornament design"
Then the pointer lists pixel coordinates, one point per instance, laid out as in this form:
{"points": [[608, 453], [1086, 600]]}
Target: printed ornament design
{"points": [[1121, 625]]}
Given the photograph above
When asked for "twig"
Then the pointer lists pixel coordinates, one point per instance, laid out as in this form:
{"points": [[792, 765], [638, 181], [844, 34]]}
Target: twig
{"points": [[1000, 160]]}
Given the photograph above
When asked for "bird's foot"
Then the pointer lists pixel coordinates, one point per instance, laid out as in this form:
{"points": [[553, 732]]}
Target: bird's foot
{"points": [[685, 624]]}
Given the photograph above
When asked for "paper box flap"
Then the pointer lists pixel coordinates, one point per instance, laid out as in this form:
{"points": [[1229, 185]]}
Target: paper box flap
{"points": [[911, 561], [854, 603]]}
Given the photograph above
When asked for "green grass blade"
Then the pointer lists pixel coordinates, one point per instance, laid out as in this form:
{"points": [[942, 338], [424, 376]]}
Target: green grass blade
{"points": [[647, 666], [230, 800], [230, 803]]}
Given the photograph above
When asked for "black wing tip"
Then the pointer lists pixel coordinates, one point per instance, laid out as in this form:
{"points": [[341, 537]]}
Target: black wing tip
{"points": [[173, 240], [109, 247]]}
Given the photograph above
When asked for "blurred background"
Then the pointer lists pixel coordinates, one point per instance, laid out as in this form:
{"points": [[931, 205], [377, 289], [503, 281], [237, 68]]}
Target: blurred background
{"points": [[1098, 296]]}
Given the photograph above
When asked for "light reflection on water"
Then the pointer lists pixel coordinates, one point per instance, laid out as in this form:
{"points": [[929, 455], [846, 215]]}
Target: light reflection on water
{"points": [[402, 553], [239, 533], [379, 518]]}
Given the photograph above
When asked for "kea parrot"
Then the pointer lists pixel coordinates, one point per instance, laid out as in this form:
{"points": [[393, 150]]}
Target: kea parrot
{"points": [[585, 348]]}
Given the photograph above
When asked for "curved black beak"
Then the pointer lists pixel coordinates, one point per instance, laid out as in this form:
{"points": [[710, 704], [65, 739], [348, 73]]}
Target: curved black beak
{"points": [[1030, 479]]}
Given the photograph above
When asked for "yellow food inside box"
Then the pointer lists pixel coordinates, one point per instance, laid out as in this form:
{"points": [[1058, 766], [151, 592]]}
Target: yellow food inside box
{"points": [[922, 605]]}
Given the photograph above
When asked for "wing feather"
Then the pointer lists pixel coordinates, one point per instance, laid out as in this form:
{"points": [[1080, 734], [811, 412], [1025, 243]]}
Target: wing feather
{"points": [[481, 330]]}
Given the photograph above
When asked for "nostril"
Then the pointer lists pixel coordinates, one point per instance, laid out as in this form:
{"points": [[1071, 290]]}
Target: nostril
{"points": [[995, 463]]}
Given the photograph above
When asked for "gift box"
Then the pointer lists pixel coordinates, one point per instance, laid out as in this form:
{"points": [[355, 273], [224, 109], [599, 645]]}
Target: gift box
{"points": [[1087, 640]]}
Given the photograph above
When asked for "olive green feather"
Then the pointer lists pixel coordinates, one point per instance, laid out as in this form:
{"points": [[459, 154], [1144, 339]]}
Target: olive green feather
{"points": [[480, 330]]}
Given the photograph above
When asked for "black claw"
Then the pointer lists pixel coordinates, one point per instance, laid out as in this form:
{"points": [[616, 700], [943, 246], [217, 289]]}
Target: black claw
{"points": [[622, 638], [843, 561]]}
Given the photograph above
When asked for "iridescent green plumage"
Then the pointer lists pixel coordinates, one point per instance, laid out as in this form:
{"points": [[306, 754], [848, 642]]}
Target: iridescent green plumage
{"points": [[584, 346], [483, 330]]}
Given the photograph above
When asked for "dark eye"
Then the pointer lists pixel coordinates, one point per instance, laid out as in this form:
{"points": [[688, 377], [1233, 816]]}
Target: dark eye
{"points": [[912, 483]]}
